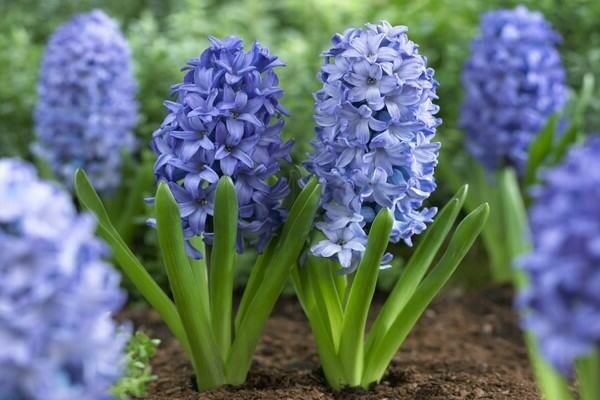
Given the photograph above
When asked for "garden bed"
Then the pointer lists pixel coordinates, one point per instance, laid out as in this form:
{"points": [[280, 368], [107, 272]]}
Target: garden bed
{"points": [[464, 347]]}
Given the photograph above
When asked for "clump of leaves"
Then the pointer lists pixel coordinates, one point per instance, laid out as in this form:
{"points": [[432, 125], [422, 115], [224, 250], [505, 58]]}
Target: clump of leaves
{"points": [[140, 351]]}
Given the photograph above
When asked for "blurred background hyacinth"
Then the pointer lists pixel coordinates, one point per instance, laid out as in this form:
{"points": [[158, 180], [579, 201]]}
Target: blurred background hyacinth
{"points": [[86, 109], [226, 121], [561, 304], [375, 123], [514, 81], [56, 295]]}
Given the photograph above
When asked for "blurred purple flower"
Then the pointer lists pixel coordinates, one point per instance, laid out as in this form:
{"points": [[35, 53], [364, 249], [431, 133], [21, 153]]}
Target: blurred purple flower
{"points": [[86, 108], [56, 295], [226, 120], [561, 304], [375, 122], [513, 81]]}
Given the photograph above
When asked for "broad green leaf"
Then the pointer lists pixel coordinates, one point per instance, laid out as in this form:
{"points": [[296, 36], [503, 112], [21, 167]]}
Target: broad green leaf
{"points": [[327, 301], [300, 221], [361, 294], [304, 197], [330, 362], [462, 240], [200, 271], [416, 268], [208, 364], [89, 200], [552, 385], [257, 275], [264, 260], [225, 221], [588, 374]]}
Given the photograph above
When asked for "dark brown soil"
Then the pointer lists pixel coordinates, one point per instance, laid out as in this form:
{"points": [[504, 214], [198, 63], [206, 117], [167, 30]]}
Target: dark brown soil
{"points": [[464, 347]]}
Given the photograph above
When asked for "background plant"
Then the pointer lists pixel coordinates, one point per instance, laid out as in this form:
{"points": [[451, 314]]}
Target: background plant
{"points": [[558, 303], [86, 108], [138, 375]]}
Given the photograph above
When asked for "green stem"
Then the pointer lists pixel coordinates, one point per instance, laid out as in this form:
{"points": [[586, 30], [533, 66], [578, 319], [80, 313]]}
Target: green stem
{"points": [[351, 350], [200, 272]]}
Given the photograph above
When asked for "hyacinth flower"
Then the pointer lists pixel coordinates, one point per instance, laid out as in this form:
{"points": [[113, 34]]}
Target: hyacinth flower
{"points": [[515, 92], [375, 156], [559, 304], [56, 295], [86, 112], [514, 81], [86, 108], [218, 152]]}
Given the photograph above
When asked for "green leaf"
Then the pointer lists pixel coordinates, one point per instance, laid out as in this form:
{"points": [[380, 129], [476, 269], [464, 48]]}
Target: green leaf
{"points": [[262, 264], [225, 222], [462, 240], [293, 239], [200, 272], [573, 133], [156, 297], [330, 362], [134, 201], [539, 149], [257, 275], [416, 268], [327, 301], [306, 196], [208, 364], [583, 100], [588, 373], [569, 136], [295, 189], [361, 294], [552, 385], [44, 169]]}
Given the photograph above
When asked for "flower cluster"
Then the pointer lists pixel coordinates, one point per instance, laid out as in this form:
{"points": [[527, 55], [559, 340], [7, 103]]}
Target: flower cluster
{"points": [[86, 106], [226, 120], [562, 303], [513, 81], [56, 295], [375, 122]]}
